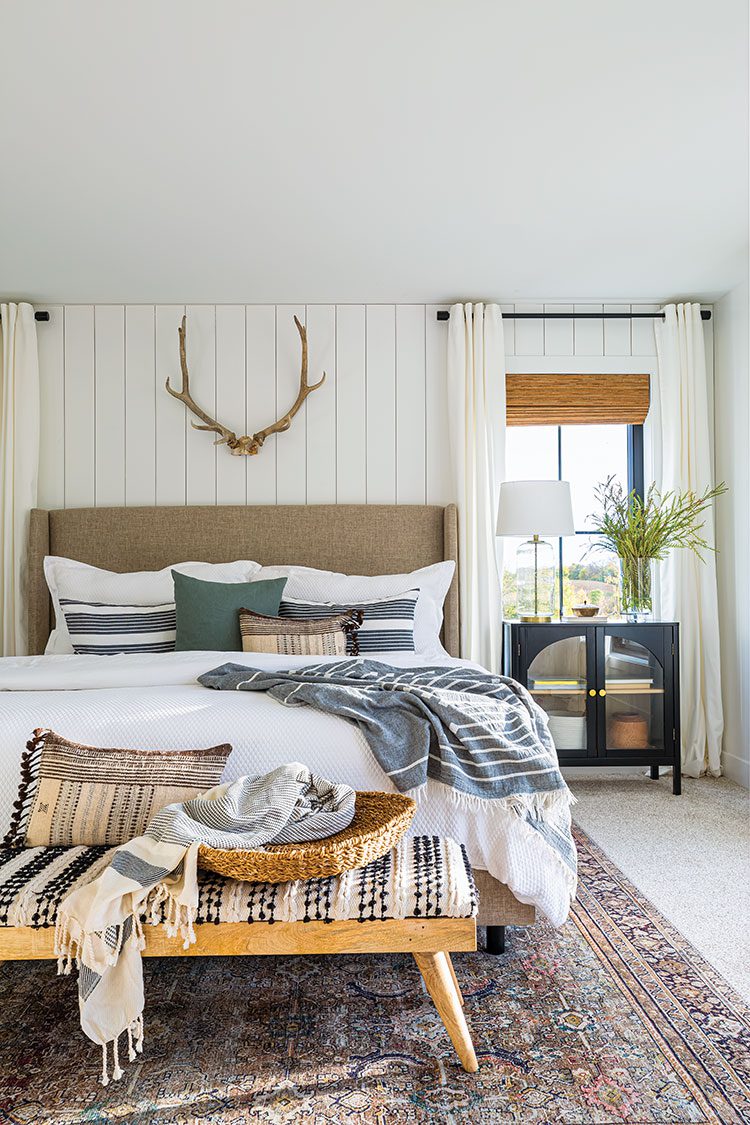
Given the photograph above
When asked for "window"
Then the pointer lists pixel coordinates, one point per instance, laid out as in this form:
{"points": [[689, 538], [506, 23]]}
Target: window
{"points": [[585, 455]]}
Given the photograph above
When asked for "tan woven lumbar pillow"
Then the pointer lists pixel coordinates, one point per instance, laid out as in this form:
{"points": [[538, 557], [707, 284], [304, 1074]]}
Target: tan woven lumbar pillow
{"points": [[72, 794], [281, 635]]}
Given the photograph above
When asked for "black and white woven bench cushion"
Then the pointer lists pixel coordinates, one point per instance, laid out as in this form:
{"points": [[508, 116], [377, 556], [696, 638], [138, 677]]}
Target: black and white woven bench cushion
{"points": [[423, 877]]}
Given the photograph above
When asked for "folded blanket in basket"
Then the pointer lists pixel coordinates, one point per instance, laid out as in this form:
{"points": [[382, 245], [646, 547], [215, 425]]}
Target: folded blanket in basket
{"points": [[482, 736], [154, 878]]}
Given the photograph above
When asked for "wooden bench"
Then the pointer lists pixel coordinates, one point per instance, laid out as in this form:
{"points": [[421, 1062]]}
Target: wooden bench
{"points": [[425, 882], [430, 940]]}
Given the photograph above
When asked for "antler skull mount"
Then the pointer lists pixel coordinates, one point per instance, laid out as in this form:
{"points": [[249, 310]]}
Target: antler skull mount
{"points": [[248, 445]]}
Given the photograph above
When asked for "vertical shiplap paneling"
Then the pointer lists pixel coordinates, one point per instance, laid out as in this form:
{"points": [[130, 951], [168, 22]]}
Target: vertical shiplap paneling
{"points": [[381, 404], [529, 333], [200, 447], [141, 389], [644, 342], [50, 345], [109, 382], [410, 404], [231, 483], [260, 396], [170, 414], [79, 406], [291, 458], [321, 405], [558, 334], [589, 334], [617, 332], [438, 486], [351, 419]]}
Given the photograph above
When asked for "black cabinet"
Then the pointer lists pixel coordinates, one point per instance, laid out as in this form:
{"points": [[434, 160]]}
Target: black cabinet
{"points": [[611, 691]]}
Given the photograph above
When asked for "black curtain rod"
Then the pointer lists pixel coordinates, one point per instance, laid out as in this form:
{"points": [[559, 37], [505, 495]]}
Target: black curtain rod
{"points": [[443, 314]]}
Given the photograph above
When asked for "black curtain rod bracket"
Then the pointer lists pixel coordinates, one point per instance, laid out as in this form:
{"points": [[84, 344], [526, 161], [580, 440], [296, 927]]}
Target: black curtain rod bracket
{"points": [[444, 314], [41, 315]]}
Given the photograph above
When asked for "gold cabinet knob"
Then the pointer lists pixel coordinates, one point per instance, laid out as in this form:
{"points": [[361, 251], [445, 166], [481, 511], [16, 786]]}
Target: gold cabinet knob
{"points": [[592, 691], [602, 691]]}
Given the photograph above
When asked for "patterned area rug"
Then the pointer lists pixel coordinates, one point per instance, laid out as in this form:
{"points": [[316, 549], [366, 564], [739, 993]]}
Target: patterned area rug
{"points": [[614, 1018]]}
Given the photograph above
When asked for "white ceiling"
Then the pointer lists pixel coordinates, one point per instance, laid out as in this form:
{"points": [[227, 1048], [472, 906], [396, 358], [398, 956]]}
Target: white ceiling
{"points": [[397, 150]]}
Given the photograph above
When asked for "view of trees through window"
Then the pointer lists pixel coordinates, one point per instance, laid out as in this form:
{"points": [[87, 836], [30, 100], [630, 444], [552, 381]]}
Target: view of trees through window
{"points": [[585, 456]]}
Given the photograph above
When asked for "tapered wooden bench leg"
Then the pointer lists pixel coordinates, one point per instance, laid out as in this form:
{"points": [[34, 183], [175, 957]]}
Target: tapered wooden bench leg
{"points": [[456, 985], [437, 972]]}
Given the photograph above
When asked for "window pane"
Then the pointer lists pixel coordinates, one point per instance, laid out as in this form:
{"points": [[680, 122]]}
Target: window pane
{"points": [[589, 575], [590, 454], [531, 453]]}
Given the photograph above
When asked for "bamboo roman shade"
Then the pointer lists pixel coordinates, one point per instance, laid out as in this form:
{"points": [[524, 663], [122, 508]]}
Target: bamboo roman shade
{"points": [[556, 400]]}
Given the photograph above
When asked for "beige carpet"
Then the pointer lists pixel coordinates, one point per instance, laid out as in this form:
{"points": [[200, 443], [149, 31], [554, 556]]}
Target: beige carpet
{"points": [[690, 855]]}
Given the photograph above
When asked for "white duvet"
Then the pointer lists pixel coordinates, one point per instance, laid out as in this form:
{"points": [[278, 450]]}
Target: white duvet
{"points": [[152, 700]]}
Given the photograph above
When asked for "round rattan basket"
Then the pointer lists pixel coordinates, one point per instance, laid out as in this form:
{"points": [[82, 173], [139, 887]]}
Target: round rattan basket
{"points": [[380, 820]]}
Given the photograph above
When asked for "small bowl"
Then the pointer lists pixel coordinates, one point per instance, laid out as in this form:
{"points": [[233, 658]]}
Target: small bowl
{"points": [[585, 610]]}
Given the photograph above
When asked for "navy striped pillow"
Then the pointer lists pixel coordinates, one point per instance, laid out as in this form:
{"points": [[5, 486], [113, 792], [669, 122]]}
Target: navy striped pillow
{"points": [[97, 629], [387, 624]]}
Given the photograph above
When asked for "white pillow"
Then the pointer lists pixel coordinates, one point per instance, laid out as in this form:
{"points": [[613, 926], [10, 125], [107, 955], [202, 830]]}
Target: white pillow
{"points": [[78, 581], [307, 584]]}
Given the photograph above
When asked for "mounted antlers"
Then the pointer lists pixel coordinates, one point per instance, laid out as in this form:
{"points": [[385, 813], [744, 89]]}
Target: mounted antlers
{"points": [[247, 445]]}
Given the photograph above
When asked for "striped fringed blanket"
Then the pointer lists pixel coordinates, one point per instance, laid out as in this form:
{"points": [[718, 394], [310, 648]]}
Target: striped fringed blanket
{"points": [[154, 878], [481, 735]]}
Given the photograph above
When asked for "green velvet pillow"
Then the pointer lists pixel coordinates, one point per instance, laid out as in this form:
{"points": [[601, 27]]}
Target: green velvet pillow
{"points": [[208, 613]]}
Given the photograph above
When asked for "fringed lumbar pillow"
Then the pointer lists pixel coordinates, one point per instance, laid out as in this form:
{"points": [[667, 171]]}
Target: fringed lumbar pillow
{"points": [[332, 636], [72, 794]]}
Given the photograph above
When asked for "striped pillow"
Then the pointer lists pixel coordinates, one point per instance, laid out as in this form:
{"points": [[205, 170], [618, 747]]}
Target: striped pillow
{"points": [[322, 636], [105, 630], [72, 794], [387, 624]]}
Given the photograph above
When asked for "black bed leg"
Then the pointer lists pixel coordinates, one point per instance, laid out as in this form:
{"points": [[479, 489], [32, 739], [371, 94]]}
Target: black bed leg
{"points": [[495, 939], [654, 773]]}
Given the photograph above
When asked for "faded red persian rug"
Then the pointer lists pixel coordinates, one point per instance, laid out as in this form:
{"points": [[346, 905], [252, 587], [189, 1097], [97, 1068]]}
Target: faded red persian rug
{"points": [[615, 1018]]}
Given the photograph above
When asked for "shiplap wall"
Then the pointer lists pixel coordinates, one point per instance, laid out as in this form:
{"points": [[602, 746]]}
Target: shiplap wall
{"points": [[375, 432]]}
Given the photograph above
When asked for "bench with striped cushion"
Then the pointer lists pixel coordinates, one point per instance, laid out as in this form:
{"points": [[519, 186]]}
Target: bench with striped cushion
{"points": [[419, 898]]}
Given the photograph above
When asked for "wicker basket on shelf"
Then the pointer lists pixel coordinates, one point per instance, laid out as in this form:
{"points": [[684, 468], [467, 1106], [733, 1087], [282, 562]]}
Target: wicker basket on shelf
{"points": [[380, 820]]}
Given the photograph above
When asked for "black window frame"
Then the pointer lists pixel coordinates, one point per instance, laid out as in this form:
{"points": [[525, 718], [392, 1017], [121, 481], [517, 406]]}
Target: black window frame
{"points": [[635, 484]]}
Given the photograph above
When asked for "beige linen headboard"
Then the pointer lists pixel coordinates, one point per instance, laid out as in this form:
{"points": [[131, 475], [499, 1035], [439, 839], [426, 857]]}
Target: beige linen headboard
{"points": [[353, 538]]}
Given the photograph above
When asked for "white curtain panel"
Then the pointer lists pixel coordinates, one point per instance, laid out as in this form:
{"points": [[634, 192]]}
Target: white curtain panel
{"points": [[476, 405], [19, 463], [687, 585]]}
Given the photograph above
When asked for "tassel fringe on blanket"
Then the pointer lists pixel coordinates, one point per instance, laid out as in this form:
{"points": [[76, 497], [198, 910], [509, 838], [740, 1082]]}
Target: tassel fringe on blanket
{"points": [[153, 880]]}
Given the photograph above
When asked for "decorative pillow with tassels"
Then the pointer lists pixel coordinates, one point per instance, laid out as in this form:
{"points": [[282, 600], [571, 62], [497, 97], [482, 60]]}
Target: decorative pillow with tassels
{"points": [[332, 636], [72, 794]]}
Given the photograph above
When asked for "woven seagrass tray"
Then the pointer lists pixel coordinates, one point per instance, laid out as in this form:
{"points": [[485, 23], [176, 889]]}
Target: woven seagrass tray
{"points": [[380, 820]]}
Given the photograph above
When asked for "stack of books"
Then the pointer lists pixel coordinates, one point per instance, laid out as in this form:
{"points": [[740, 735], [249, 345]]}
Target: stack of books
{"points": [[555, 683]]}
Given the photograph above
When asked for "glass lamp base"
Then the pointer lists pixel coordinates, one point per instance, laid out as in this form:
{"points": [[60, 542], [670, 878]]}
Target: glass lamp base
{"points": [[535, 579]]}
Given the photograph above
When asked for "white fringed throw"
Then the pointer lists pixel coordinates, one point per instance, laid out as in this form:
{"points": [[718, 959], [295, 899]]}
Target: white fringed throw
{"points": [[154, 878]]}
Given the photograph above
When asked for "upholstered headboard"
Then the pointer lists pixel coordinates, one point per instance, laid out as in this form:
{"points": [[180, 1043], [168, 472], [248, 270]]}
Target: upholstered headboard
{"points": [[353, 538]]}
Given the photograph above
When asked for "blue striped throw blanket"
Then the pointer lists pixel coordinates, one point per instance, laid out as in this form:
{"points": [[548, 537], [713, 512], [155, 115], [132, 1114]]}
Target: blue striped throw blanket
{"points": [[479, 734]]}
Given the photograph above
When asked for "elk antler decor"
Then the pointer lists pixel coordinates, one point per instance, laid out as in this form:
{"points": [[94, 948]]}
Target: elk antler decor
{"points": [[242, 446]]}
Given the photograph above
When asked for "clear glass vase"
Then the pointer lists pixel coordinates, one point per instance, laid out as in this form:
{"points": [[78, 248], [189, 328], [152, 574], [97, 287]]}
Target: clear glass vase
{"points": [[636, 588]]}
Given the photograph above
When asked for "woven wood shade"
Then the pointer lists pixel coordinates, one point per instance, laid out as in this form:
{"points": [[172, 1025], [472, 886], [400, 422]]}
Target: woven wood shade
{"points": [[555, 400]]}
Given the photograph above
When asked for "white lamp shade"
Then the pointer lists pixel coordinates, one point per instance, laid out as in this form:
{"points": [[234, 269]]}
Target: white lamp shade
{"points": [[535, 507]]}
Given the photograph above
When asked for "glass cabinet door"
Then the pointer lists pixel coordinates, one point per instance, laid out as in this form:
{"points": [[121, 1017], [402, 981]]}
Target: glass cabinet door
{"points": [[559, 678], [634, 682]]}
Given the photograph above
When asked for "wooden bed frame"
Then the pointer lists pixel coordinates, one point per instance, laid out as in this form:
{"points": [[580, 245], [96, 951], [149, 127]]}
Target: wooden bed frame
{"points": [[353, 538]]}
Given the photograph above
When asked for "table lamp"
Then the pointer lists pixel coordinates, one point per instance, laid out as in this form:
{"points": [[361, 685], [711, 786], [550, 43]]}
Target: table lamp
{"points": [[531, 509]]}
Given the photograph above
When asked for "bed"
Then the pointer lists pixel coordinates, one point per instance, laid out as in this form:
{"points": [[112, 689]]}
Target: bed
{"points": [[155, 699]]}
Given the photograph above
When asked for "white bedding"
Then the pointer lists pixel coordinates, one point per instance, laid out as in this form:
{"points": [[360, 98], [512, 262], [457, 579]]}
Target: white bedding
{"points": [[151, 700]]}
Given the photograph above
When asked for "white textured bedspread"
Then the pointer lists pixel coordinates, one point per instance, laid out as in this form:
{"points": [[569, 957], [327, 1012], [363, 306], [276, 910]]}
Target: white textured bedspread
{"points": [[152, 700]]}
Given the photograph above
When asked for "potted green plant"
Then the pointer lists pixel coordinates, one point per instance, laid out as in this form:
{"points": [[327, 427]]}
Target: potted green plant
{"points": [[641, 530]]}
